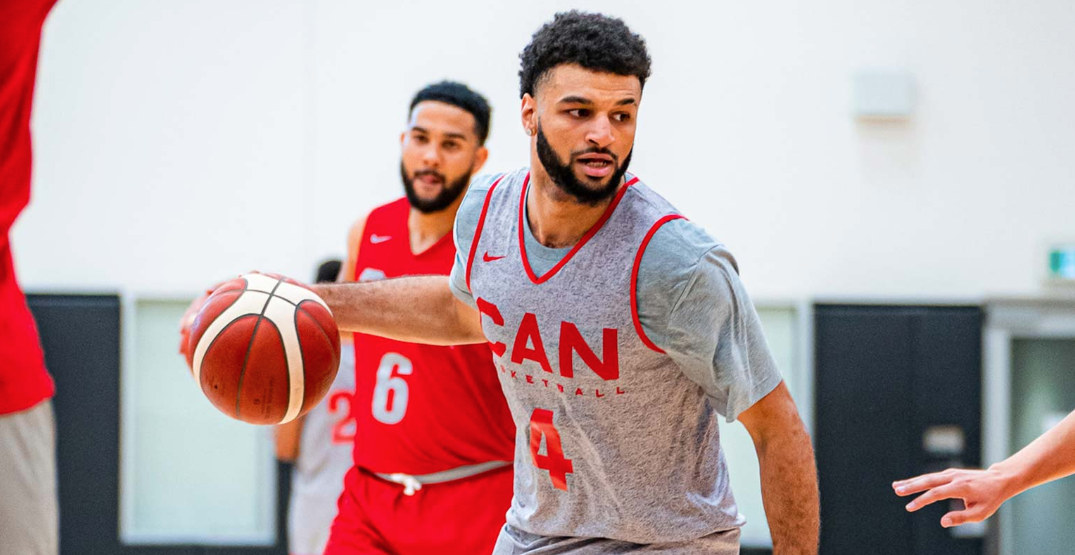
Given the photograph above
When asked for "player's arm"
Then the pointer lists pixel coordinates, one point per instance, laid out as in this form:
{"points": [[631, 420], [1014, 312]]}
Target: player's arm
{"points": [[1047, 458], [714, 335], [420, 309], [788, 473], [354, 241], [437, 310], [287, 440]]}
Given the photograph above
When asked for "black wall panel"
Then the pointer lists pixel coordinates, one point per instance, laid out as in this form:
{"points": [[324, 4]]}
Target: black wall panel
{"points": [[886, 375], [80, 335]]}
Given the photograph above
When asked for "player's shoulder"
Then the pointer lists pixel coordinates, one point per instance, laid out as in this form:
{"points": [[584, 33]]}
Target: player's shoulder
{"points": [[474, 198], [385, 216], [481, 184], [676, 239], [639, 194], [680, 246], [470, 210], [685, 236], [390, 209], [471, 207], [684, 263]]}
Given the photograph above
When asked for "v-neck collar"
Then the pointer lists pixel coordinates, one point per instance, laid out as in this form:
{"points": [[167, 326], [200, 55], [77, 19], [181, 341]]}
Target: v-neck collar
{"points": [[524, 227]]}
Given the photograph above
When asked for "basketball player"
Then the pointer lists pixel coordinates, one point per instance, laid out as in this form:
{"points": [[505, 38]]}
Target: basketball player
{"points": [[1048, 458], [433, 434], [319, 444], [619, 329], [28, 507]]}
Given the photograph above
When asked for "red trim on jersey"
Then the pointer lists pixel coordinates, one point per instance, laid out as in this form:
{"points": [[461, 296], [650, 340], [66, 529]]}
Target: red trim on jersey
{"points": [[478, 229], [444, 238], [634, 280], [589, 234]]}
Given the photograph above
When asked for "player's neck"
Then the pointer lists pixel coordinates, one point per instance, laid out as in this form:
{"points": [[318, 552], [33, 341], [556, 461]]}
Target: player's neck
{"points": [[556, 219], [426, 229]]}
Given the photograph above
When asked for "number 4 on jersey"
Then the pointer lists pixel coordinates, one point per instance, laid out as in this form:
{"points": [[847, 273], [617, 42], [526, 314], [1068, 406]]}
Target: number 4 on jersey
{"points": [[554, 461]]}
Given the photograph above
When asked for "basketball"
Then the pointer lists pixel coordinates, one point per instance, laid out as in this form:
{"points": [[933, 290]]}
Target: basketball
{"points": [[264, 349]]}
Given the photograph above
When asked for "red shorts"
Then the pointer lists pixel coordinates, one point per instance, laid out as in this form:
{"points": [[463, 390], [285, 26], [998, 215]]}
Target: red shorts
{"points": [[461, 517]]}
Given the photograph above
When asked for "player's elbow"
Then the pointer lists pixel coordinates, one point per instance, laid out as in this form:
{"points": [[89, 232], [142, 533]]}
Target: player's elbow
{"points": [[774, 421], [467, 324]]}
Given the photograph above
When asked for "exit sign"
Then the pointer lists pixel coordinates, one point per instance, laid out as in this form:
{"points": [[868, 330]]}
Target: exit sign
{"points": [[1062, 262]]}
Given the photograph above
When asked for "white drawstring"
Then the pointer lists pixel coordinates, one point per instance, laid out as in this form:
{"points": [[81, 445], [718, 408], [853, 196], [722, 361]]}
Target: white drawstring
{"points": [[410, 483]]}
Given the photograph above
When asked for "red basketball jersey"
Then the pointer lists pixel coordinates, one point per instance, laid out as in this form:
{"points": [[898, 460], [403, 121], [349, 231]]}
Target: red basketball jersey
{"points": [[23, 379], [421, 409]]}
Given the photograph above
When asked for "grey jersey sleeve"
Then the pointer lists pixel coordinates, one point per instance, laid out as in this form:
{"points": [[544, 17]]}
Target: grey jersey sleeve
{"points": [[466, 221], [693, 306]]}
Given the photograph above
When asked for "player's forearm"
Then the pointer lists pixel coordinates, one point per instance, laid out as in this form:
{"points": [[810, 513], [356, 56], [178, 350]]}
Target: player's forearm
{"points": [[416, 309], [287, 440], [1047, 458], [789, 490]]}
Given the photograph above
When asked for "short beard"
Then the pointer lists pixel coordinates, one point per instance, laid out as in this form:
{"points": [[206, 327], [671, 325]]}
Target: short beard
{"points": [[448, 194], [564, 177]]}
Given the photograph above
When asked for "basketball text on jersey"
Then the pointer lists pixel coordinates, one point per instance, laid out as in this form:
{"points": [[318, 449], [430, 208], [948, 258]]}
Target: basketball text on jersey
{"points": [[527, 345]]}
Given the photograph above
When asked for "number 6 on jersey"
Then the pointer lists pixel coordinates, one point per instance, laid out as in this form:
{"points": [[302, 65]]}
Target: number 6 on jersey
{"points": [[391, 392], [559, 467]]}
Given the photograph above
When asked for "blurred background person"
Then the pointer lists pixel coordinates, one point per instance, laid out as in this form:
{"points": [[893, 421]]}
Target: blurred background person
{"points": [[434, 437], [319, 444], [28, 506]]}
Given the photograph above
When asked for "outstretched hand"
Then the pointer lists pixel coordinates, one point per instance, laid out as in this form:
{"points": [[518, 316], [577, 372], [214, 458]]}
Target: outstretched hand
{"points": [[187, 320], [982, 492]]}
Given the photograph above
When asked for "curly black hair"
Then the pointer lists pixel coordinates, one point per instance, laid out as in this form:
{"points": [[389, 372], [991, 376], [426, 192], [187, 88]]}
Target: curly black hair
{"points": [[461, 96], [594, 41]]}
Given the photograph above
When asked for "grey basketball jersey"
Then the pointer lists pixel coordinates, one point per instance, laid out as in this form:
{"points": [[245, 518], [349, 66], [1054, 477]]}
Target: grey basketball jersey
{"points": [[613, 440]]}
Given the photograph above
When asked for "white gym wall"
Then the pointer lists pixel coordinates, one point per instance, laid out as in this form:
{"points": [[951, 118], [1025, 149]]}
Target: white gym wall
{"points": [[178, 142]]}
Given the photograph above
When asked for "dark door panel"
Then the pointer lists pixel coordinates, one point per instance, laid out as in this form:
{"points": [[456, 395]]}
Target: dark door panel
{"points": [[863, 429], [887, 376]]}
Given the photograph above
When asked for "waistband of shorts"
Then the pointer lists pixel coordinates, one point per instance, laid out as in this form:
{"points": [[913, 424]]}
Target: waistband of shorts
{"points": [[450, 475]]}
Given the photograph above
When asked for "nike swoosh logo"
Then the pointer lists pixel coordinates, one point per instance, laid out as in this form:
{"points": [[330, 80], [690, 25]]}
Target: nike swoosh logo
{"points": [[377, 239], [488, 258]]}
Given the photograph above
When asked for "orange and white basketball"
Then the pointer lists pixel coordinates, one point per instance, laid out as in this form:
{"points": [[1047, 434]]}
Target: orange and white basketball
{"points": [[264, 348]]}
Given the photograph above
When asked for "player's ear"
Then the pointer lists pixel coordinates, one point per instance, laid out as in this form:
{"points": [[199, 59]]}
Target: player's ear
{"points": [[402, 138], [479, 159], [528, 111]]}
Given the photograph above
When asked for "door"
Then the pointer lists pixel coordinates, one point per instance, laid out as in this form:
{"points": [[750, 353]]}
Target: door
{"points": [[1043, 393], [898, 393]]}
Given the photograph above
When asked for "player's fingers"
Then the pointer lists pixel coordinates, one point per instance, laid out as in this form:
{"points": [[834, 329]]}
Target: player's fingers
{"points": [[191, 313], [931, 496], [956, 518], [922, 483], [184, 338]]}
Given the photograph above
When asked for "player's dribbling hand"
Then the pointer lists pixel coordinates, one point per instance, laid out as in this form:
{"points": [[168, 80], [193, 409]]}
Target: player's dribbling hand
{"points": [[982, 492], [187, 320]]}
